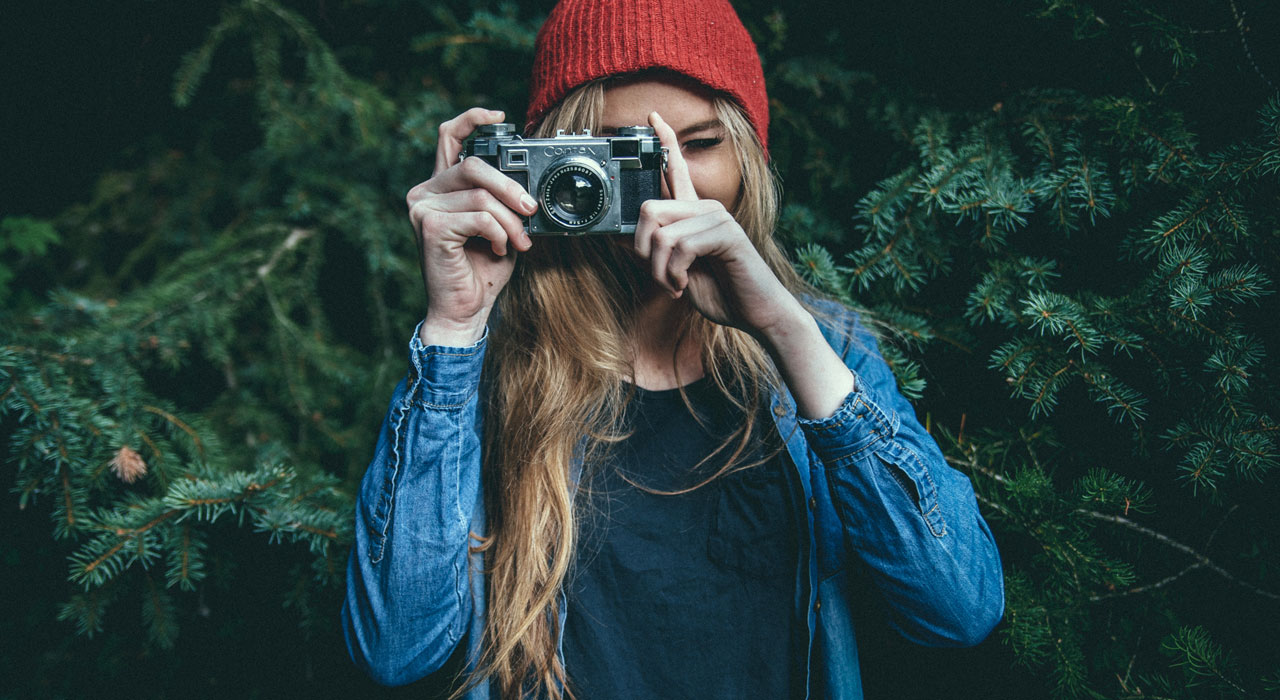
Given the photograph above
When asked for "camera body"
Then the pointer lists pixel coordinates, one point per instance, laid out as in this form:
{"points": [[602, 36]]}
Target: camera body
{"points": [[584, 184]]}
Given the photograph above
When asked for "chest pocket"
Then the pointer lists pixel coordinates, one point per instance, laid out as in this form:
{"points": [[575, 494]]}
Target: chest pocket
{"points": [[753, 526]]}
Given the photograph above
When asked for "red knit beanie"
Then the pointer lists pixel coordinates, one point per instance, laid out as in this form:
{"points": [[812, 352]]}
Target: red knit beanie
{"points": [[703, 39]]}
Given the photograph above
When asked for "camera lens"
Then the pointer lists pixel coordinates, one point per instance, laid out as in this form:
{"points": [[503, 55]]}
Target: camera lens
{"points": [[574, 195]]}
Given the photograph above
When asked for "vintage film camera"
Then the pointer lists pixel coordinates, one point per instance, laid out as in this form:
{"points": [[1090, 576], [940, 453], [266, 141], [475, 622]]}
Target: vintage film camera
{"points": [[583, 183]]}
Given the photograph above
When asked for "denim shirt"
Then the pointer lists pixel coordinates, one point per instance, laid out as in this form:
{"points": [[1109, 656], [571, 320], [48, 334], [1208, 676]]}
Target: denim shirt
{"points": [[872, 485]]}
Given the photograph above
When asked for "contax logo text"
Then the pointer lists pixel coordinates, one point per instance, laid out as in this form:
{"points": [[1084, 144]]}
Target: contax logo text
{"points": [[565, 150]]}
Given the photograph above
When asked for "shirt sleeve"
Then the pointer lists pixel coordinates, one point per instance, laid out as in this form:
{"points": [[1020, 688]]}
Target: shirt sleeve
{"points": [[908, 515], [408, 602]]}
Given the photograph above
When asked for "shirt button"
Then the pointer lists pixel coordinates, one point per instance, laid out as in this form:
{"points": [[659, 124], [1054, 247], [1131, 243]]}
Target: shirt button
{"points": [[779, 410], [817, 605], [813, 503]]}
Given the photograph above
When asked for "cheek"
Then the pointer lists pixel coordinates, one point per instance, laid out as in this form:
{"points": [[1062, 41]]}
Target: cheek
{"points": [[717, 180]]}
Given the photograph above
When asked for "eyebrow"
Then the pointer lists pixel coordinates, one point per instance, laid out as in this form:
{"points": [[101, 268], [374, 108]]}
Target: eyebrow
{"points": [[691, 129], [700, 126]]}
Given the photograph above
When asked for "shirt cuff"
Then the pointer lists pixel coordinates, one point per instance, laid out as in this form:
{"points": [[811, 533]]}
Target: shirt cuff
{"points": [[444, 376], [858, 424]]}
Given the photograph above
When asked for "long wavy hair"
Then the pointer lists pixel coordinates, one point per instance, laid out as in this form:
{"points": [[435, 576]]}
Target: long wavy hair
{"points": [[557, 370]]}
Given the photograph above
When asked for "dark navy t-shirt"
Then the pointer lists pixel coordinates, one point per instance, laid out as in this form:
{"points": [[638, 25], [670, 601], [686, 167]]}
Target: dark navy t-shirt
{"points": [[690, 595]]}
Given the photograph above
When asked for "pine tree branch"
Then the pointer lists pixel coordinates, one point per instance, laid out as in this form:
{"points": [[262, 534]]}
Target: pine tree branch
{"points": [[1244, 43], [155, 449], [1200, 325], [331, 534], [1265, 428], [451, 40], [252, 488], [62, 358], [1048, 382], [263, 271], [1173, 151], [1185, 220], [186, 551], [128, 535], [973, 465], [1148, 587], [69, 503], [1216, 528], [1201, 559], [295, 237], [886, 250], [1043, 135], [125, 537], [179, 424]]}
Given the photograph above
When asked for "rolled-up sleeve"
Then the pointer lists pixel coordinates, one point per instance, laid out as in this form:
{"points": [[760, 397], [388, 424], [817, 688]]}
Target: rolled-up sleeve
{"points": [[408, 600], [908, 515]]}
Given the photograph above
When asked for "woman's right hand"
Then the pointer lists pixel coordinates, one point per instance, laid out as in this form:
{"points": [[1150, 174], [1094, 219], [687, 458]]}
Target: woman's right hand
{"points": [[467, 228]]}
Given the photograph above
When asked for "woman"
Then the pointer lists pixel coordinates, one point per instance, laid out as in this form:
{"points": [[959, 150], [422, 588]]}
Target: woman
{"points": [[644, 467]]}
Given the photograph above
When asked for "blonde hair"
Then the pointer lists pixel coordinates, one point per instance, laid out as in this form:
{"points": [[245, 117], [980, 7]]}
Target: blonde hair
{"points": [[557, 367]]}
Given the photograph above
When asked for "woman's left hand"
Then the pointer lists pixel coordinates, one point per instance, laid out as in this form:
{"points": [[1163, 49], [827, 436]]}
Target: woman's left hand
{"points": [[696, 249]]}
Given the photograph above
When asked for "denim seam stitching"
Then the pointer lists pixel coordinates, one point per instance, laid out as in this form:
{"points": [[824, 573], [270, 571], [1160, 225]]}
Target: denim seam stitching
{"points": [[836, 463], [429, 353], [933, 486], [389, 484]]}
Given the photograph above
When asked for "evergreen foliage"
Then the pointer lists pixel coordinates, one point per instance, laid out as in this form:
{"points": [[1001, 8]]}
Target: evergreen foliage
{"points": [[1075, 278]]}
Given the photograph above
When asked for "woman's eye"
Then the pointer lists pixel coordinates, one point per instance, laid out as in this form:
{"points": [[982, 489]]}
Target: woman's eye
{"points": [[698, 144]]}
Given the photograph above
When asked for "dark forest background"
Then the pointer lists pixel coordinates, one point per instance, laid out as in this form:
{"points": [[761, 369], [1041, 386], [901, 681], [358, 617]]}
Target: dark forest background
{"points": [[1063, 213]]}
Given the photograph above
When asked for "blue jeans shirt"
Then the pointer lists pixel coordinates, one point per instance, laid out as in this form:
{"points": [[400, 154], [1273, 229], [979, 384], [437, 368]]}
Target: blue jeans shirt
{"points": [[871, 483]]}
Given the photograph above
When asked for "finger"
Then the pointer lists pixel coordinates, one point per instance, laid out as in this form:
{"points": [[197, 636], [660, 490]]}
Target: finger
{"points": [[487, 227], [483, 200], [679, 184], [675, 246], [656, 213], [646, 224], [704, 243], [454, 131], [663, 243], [435, 225], [475, 173]]}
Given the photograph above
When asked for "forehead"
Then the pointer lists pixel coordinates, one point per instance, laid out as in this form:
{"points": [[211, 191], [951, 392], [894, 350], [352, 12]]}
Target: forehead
{"points": [[680, 105]]}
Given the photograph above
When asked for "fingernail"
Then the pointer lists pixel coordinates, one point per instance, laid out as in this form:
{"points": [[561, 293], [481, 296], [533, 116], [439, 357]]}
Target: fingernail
{"points": [[496, 112], [529, 203]]}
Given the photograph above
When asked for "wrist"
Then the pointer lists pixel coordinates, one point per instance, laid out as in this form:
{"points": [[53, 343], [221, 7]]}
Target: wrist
{"points": [[452, 332], [816, 376], [793, 328]]}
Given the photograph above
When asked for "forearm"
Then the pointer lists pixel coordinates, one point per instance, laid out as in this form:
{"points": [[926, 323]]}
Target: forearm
{"points": [[815, 375]]}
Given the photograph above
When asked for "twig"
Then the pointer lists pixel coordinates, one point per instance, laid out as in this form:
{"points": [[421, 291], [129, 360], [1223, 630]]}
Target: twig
{"points": [[1148, 587], [992, 504], [1203, 560], [1244, 43], [179, 424], [125, 537], [1209, 540], [973, 464], [296, 236], [1170, 579], [56, 356]]}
